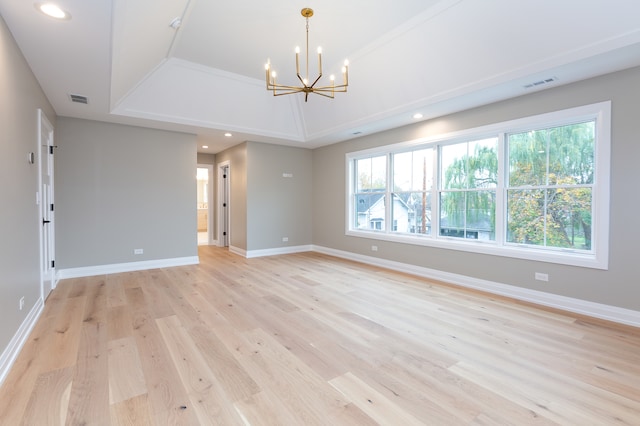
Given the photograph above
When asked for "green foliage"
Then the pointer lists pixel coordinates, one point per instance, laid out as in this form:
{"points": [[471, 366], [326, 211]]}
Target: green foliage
{"points": [[470, 181], [556, 161], [549, 199]]}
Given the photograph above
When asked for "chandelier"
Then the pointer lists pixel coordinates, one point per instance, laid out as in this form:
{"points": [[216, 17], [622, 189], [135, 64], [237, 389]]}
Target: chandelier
{"points": [[307, 86]]}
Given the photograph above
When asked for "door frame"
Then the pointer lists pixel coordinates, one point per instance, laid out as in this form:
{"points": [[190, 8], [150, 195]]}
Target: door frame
{"points": [[224, 195], [210, 202], [45, 150]]}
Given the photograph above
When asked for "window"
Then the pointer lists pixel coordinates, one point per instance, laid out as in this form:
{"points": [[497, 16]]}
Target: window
{"points": [[468, 182], [370, 188], [534, 188], [412, 184], [550, 189]]}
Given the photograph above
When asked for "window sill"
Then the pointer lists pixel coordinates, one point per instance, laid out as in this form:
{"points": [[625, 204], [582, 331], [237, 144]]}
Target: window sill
{"points": [[560, 256]]}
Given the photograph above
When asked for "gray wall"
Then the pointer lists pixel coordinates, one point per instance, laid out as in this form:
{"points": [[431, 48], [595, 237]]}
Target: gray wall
{"points": [[278, 206], [119, 188], [616, 286], [21, 97], [264, 205], [237, 158], [206, 158]]}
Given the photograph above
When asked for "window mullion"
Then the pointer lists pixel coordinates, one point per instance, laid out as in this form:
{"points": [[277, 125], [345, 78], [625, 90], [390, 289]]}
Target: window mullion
{"points": [[388, 195], [435, 198], [501, 205]]}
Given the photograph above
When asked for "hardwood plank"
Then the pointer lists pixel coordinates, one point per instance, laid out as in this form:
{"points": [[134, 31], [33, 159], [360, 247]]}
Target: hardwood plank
{"points": [[115, 290], [166, 395], [264, 409], [306, 394], [132, 412], [64, 339], [89, 399], [43, 409], [373, 403], [234, 380], [205, 393], [18, 386], [119, 322], [126, 379]]}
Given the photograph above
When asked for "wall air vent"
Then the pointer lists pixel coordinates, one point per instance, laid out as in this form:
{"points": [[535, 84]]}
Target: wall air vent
{"points": [[540, 82], [79, 99]]}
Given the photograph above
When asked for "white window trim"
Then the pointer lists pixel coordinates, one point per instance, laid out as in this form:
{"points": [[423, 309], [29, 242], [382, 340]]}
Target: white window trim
{"points": [[598, 258]]}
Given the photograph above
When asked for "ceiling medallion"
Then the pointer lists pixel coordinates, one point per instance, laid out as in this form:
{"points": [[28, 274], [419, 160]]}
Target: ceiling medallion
{"points": [[307, 86]]}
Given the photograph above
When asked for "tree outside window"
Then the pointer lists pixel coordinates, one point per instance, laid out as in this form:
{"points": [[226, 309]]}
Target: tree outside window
{"points": [[550, 189], [469, 178]]}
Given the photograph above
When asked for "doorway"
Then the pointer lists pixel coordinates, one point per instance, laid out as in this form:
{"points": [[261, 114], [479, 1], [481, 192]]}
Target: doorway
{"points": [[204, 175], [46, 211], [224, 206]]}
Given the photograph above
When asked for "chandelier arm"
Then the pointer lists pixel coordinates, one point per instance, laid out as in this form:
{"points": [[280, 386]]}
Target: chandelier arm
{"points": [[286, 93], [323, 94], [340, 88], [272, 85], [301, 80], [291, 89], [316, 80]]}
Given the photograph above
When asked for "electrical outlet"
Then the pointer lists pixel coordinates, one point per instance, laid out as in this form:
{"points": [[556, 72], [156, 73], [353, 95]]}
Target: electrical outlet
{"points": [[542, 277], [374, 248], [21, 303], [285, 239], [138, 251]]}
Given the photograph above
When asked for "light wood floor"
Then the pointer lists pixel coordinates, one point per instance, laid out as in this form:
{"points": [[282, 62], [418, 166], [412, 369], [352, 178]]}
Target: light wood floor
{"points": [[308, 339]]}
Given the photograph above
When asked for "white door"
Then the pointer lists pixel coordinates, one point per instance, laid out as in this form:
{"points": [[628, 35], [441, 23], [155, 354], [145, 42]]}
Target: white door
{"points": [[47, 234]]}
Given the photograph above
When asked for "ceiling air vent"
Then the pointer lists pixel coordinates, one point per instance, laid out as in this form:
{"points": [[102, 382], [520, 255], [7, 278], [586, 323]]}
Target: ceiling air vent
{"points": [[540, 82], [79, 99]]}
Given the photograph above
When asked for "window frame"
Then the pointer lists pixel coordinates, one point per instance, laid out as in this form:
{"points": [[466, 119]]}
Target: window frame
{"points": [[597, 257]]}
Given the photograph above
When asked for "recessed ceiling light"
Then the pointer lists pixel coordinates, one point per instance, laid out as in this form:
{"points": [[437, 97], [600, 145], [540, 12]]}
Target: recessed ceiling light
{"points": [[228, 134], [205, 146], [53, 10], [417, 116]]}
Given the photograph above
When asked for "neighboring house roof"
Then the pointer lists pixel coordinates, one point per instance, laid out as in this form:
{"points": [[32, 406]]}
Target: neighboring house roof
{"points": [[368, 200], [364, 202]]}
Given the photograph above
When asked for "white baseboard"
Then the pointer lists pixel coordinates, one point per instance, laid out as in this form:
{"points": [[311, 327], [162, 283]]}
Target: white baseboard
{"points": [[115, 268], [269, 252], [12, 350], [238, 251], [277, 250], [592, 309]]}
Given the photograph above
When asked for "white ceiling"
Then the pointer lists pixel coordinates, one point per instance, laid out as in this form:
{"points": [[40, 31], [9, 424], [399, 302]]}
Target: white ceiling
{"points": [[406, 56]]}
